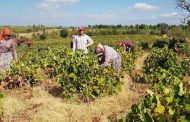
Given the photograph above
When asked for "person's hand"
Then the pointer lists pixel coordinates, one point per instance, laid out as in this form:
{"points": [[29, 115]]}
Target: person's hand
{"points": [[110, 62]]}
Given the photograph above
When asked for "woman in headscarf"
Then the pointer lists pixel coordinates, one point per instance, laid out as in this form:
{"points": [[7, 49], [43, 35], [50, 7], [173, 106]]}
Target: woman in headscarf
{"points": [[7, 50], [108, 56]]}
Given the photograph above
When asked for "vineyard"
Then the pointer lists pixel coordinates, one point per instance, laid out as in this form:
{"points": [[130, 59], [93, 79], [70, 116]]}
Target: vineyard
{"points": [[159, 89]]}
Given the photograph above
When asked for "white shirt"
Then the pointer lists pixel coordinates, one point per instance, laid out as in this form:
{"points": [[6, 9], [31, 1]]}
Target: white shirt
{"points": [[82, 42]]}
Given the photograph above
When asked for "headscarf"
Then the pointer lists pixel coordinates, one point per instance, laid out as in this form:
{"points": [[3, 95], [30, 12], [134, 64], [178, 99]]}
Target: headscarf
{"points": [[99, 50]]}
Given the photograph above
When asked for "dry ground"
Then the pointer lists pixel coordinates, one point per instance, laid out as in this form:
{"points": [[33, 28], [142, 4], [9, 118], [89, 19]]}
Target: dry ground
{"points": [[30, 35], [43, 104], [140, 60]]}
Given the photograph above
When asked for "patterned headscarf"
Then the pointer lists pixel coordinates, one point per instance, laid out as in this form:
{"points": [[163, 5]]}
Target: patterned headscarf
{"points": [[99, 50]]}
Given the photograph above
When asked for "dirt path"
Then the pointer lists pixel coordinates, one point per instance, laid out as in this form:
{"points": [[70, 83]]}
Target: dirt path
{"points": [[40, 104], [140, 60]]}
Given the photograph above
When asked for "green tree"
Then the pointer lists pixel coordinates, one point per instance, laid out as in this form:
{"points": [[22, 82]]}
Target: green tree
{"points": [[64, 33], [177, 32], [164, 28], [184, 5]]}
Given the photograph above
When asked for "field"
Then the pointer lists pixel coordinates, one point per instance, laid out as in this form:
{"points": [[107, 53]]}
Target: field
{"points": [[51, 83]]}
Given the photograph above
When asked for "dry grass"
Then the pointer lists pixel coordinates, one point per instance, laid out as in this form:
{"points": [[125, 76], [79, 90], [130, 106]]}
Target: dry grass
{"points": [[30, 34], [38, 105], [140, 61], [43, 104], [186, 78]]}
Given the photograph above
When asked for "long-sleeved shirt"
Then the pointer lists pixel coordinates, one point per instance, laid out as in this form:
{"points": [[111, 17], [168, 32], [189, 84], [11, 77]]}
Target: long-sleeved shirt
{"points": [[81, 42], [111, 56], [129, 44], [7, 46]]}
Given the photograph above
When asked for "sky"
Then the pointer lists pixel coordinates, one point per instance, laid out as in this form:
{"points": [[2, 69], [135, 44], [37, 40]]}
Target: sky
{"points": [[89, 12]]}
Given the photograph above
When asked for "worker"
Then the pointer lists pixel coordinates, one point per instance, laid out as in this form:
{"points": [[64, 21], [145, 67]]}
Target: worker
{"points": [[81, 41], [7, 50], [128, 45], [108, 56]]}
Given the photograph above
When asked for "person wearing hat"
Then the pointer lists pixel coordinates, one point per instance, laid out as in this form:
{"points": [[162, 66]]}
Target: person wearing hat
{"points": [[7, 50], [108, 56], [81, 41], [128, 45]]}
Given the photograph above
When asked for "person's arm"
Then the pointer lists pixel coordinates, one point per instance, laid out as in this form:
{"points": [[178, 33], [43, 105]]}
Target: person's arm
{"points": [[129, 49], [125, 47], [105, 64], [90, 41], [108, 57], [74, 44], [14, 51]]}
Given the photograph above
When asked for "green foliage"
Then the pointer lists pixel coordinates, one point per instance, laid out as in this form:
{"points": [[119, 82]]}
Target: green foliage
{"points": [[162, 66], [159, 44], [164, 59], [186, 65], [144, 45], [168, 100], [178, 33], [80, 75], [86, 78], [43, 36], [29, 30], [163, 28], [89, 33], [175, 43], [128, 59], [170, 104], [1, 104], [64, 33], [54, 35]]}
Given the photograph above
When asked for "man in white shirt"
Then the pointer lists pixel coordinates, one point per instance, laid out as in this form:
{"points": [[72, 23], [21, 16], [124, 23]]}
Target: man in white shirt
{"points": [[81, 41]]}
